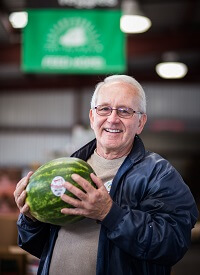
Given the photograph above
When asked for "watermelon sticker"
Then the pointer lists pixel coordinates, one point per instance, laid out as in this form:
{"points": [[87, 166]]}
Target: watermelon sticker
{"points": [[57, 186], [108, 185]]}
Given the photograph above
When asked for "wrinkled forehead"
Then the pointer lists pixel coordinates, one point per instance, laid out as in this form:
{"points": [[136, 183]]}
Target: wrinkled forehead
{"points": [[120, 93]]}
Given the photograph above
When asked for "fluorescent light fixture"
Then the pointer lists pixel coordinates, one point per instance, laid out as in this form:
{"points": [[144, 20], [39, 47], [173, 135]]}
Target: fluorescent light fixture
{"points": [[133, 20], [18, 19], [171, 70], [134, 23]]}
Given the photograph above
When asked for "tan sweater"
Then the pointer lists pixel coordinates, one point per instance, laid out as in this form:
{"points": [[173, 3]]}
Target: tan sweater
{"points": [[75, 250]]}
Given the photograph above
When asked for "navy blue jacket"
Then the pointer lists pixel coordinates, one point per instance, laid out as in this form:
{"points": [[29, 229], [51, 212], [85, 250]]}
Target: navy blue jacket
{"points": [[148, 228]]}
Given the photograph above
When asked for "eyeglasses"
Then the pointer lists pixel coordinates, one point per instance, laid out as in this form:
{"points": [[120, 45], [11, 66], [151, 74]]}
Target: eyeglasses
{"points": [[123, 112]]}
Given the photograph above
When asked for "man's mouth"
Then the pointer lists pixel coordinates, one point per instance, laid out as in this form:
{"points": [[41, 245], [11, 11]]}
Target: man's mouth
{"points": [[113, 130]]}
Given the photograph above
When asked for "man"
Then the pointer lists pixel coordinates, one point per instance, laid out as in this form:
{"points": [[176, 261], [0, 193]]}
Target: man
{"points": [[140, 216]]}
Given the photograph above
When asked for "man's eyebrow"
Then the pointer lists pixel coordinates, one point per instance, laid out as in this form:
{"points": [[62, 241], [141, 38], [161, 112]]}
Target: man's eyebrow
{"points": [[117, 106], [104, 103]]}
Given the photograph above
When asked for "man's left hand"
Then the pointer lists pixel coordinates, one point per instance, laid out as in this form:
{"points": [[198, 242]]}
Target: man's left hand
{"points": [[93, 203]]}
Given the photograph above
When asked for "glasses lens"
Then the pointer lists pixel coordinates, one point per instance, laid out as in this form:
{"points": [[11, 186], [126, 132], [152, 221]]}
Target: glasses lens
{"points": [[125, 112], [103, 110], [107, 110]]}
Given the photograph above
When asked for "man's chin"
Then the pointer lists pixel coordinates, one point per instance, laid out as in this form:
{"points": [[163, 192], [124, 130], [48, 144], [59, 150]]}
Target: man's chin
{"points": [[111, 144]]}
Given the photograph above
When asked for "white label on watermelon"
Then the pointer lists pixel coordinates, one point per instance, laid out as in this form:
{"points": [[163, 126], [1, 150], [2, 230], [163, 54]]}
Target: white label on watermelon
{"points": [[108, 185], [57, 186]]}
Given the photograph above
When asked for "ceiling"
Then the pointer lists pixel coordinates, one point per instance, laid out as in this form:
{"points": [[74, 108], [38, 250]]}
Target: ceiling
{"points": [[175, 28]]}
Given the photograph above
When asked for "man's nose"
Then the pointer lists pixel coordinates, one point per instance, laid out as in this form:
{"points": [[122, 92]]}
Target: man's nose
{"points": [[113, 116]]}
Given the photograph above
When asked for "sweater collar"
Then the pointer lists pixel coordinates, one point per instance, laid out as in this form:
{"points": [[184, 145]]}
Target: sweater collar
{"points": [[136, 154]]}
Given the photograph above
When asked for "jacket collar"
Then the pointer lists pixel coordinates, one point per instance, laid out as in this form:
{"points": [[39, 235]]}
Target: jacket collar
{"points": [[86, 151], [136, 154], [138, 150]]}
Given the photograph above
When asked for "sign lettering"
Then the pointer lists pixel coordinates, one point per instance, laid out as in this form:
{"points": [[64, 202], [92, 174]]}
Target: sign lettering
{"points": [[73, 41]]}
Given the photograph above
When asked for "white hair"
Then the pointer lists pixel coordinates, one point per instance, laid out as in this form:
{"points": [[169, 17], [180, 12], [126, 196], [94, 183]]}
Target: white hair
{"points": [[126, 79]]}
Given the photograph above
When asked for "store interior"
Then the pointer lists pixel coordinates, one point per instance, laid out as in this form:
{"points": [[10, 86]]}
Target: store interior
{"points": [[45, 116]]}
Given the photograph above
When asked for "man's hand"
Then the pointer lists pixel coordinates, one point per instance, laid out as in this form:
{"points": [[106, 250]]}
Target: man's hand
{"points": [[93, 203], [20, 196]]}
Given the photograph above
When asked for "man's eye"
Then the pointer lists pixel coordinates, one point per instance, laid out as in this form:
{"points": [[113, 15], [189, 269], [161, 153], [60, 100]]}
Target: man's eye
{"points": [[105, 109], [124, 111]]}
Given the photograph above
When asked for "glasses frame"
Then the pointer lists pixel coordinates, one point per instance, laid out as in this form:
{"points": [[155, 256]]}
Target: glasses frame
{"points": [[117, 109]]}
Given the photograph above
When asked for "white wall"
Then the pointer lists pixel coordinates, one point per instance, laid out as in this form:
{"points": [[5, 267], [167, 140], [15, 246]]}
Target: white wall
{"points": [[56, 111], [35, 126]]}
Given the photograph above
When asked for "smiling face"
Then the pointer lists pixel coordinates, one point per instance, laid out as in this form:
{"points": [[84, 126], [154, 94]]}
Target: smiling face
{"points": [[114, 134]]}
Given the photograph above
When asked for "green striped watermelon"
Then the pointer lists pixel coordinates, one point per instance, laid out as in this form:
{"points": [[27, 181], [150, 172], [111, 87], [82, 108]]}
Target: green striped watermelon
{"points": [[46, 186]]}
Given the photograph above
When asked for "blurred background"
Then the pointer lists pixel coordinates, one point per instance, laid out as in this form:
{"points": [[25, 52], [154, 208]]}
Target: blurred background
{"points": [[45, 115]]}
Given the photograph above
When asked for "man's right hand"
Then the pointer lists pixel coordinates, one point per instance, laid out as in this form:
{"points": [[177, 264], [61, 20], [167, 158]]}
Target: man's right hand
{"points": [[20, 196]]}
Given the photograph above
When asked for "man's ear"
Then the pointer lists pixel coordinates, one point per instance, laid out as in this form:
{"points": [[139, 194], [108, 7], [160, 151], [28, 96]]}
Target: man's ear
{"points": [[142, 122], [91, 117]]}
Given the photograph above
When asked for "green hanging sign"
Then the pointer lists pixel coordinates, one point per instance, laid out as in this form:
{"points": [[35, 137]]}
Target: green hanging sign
{"points": [[73, 41]]}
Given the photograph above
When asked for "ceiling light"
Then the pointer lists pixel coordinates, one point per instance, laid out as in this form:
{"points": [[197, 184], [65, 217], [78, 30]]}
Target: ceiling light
{"points": [[18, 19], [171, 70], [133, 20], [134, 23]]}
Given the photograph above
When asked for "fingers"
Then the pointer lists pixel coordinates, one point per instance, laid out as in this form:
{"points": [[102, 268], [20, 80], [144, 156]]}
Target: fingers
{"points": [[90, 202], [74, 211], [20, 196], [22, 185], [75, 190], [20, 193], [24, 179], [83, 183], [25, 210], [96, 180], [71, 201], [20, 200], [86, 186]]}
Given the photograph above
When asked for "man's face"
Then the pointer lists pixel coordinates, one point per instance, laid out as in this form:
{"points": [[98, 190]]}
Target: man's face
{"points": [[114, 134]]}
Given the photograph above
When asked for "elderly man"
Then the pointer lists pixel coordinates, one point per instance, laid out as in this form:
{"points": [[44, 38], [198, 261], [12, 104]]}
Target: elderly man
{"points": [[140, 216]]}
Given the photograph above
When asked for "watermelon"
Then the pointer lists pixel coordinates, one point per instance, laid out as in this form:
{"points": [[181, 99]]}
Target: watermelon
{"points": [[46, 186]]}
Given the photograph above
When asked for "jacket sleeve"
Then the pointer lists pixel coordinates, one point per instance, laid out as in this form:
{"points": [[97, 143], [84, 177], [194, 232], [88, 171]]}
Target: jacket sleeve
{"points": [[32, 236], [159, 228]]}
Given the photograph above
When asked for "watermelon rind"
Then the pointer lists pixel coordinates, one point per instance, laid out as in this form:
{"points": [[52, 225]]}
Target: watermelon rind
{"points": [[44, 205]]}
